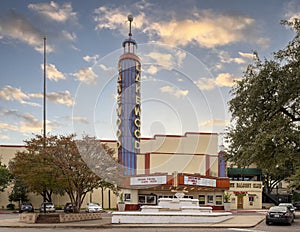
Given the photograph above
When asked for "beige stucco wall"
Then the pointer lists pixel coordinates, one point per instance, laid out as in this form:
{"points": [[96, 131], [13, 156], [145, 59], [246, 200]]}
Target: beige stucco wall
{"points": [[191, 143], [167, 154], [185, 163], [252, 188]]}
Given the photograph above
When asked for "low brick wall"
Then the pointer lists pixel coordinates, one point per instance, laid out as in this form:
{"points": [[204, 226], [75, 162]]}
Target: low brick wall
{"points": [[57, 218], [28, 217], [73, 217]]}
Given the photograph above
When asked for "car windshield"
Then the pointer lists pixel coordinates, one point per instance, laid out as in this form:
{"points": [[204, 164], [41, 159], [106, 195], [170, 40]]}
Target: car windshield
{"points": [[278, 209], [285, 204], [93, 204]]}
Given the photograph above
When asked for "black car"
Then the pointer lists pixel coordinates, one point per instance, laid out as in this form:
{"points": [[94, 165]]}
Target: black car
{"points": [[26, 207], [297, 205], [279, 214], [68, 208]]}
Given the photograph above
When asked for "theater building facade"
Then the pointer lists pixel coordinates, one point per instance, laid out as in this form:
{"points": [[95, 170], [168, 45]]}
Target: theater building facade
{"points": [[168, 164]]}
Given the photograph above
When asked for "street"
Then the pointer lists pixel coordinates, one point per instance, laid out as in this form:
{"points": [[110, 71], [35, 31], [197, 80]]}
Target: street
{"points": [[262, 227]]}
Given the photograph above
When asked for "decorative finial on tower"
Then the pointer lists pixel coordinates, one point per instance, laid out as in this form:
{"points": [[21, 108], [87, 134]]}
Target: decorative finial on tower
{"points": [[130, 19]]}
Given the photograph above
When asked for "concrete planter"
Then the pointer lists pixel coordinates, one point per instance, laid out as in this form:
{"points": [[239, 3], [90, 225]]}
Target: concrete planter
{"points": [[227, 206], [121, 207]]}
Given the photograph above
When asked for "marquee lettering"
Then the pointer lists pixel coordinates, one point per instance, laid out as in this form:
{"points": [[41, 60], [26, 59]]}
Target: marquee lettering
{"points": [[136, 144], [118, 144], [138, 100], [137, 133], [119, 110], [138, 77], [119, 99], [137, 122], [119, 133], [137, 88], [119, 88], [137, 66], [119, 121], [137, 110]]}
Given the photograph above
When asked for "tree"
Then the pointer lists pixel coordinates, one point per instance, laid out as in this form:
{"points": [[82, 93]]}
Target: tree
{"points": [[35, 168], [79, 178], [5, 177], [19, 192], [266, 114]]}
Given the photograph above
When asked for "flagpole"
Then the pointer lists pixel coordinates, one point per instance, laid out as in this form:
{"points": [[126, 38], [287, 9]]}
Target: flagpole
{"points": [[44, 126]]}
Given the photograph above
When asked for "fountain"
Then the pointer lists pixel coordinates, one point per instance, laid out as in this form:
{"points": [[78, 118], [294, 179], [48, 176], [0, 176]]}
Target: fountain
{"points": [[177, 210]]}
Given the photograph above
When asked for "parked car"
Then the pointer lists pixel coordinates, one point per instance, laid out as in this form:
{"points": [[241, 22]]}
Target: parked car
{"points": [[49, 206], [297, 205], [290, 206], [93, 207], [68, 208], [26, 207], [279, 214]]}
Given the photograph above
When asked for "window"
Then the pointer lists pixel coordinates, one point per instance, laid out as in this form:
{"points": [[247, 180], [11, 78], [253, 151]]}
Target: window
{"points": [[251, 198], [188, 196], [210, 199], [150, 199], [142, 199], [219, 200], [147, 199], [202, 199], [127, 197]]}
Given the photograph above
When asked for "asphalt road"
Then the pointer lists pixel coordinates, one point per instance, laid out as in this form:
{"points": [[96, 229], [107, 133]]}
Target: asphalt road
{"points": [[262, 227]]}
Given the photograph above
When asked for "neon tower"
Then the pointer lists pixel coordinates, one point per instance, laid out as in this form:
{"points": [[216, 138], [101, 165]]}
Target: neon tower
{"points": [[129, 104]]}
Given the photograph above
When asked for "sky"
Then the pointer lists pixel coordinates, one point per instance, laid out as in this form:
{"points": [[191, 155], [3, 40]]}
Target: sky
{"points": [[191, 54]]}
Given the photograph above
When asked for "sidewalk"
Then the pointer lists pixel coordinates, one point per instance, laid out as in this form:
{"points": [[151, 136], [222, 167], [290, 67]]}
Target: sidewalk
{"points": [[243, 220]]}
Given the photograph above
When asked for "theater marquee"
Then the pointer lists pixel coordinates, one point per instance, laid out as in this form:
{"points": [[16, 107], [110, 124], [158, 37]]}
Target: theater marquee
{"points": [[198, 181], [148, 180]]}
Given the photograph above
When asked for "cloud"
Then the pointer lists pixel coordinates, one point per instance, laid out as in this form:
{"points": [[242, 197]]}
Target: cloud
{"points": [[225, 58], [16, 26], [249, 56], [151, 70], [206, 83], [207, 28], [26, 122], [86, 75], [63, 98], [222, 80], [107, 69], [4, 137], [92, 59], [226, 79], [52, 73], [9, 93], [292, 10], [161, 60], [78, 119], [71, 36], [174, 91], [54, 11], [215, 122]]}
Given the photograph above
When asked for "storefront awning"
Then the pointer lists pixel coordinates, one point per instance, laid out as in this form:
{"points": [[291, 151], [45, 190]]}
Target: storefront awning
{"points": [[244, 171]]}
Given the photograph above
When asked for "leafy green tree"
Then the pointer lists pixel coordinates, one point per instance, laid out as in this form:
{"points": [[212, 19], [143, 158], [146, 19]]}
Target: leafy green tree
{"points": [[266, 114], [55, 165], [19, 192], [35, 168], [79, 178], [5, 177]]}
